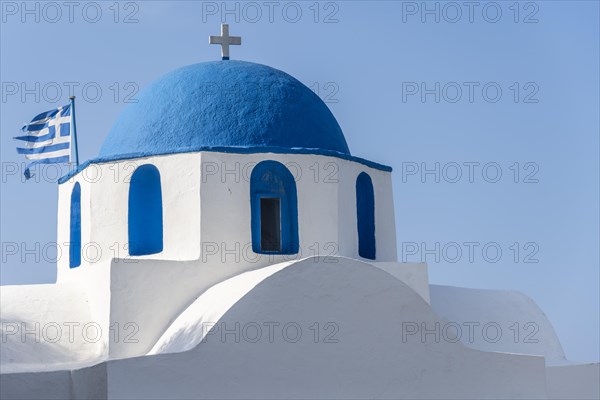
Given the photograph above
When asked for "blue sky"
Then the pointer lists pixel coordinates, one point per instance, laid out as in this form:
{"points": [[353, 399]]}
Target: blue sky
{"points": [[509, 88]]}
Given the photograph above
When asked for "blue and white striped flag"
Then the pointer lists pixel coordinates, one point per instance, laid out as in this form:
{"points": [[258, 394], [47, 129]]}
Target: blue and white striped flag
{"points": [[47, 138]]}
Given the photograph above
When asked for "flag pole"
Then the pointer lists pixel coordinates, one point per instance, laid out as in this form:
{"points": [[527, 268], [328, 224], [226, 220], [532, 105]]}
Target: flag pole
{"points": [[74, 130]]}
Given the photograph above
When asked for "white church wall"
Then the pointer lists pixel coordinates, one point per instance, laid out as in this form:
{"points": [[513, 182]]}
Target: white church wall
{"points": [[92, 276], [35, 385], [82, 383], [365, 358], [415, 275], [575, 381], [96, 283], [226, 220], [62, 227], [47, 327], [134, 302], [219, 184], [385, 217], [147, 296], [385, 224], [326, 208], [187, 330], [104, 224], [181, 211], [507, 321], [105, 194]]}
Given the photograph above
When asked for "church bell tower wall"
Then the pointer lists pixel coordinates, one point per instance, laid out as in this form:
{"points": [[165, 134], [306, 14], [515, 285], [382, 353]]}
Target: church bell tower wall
{"points": [[205, 201]]}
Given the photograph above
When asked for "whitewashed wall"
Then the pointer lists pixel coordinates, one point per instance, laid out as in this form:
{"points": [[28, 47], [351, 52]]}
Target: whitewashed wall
{"points": [[219, 185], [104, 232], [326, 208], [104, 214], [206, 218], [366, 357]]}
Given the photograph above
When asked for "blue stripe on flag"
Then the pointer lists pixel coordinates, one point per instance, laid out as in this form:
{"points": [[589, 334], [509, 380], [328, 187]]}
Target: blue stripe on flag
{"points": [[53, 160], [42, 129], [65, 129], [65, 112], [37, 139], [34, 127], [45, 115], [45, 149]]}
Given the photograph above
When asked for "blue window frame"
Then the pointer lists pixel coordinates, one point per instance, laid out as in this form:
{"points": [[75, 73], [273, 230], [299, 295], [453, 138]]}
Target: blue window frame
{"points": [[365, 216], [75, 228], [145, 217], [274, 209]]}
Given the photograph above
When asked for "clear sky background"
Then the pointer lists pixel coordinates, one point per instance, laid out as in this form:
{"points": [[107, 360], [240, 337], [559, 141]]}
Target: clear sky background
{"points": [[366, 59]]}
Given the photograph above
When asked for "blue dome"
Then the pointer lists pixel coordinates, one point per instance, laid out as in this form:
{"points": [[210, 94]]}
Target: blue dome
{"points": [[224, 104]]}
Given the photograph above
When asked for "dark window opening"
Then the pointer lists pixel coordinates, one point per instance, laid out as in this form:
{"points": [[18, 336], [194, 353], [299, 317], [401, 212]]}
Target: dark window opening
{"points": [[274, 209], [270, 224], [365, 216]]}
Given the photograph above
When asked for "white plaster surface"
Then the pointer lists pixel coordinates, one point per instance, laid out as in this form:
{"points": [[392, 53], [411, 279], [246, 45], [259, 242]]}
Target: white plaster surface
{"points": [[206, 220], [207, 281], [327, 223], [522, 326], [217, 186], [367, 359], [44, 328], [104, 211], [188, 330], [415, 275], [579, 381]]}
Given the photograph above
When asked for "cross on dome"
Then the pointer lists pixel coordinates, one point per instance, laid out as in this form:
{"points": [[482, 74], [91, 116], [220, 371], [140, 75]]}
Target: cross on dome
{"points": [[225, 40]]}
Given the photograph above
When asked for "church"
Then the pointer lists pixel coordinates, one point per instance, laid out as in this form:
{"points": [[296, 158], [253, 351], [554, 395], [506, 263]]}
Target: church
{"points": [[225, 243]]}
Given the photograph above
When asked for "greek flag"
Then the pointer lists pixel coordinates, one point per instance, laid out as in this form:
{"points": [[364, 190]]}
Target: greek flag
{"points": [[47, 138]]}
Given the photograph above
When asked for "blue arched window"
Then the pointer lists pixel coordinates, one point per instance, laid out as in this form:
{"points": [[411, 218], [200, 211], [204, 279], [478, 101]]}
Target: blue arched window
{"points": [[75, 228], [274, 214], [145, 220], [365, 216]]}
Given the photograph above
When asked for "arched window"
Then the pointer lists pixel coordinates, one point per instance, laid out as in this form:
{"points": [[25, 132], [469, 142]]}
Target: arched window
{"points": [[365, 216], [145, 220], [274, 214], [75, 228]]}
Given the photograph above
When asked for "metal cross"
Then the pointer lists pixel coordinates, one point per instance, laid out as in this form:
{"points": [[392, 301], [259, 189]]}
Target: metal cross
{"points": [[225, 40]]}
